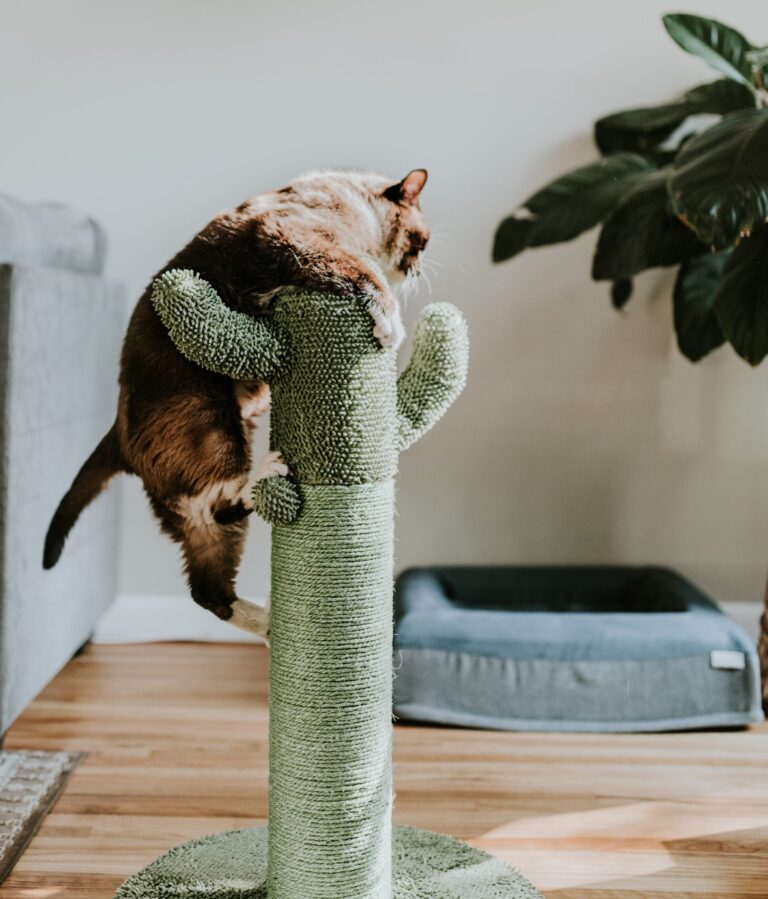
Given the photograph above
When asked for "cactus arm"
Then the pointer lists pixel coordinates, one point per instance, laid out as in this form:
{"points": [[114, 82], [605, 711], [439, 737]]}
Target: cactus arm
{"points": [[276, 500], [212, 335], [436, 374]]}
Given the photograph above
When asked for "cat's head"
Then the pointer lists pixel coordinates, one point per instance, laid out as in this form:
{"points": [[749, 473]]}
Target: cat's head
{"points": [[404, 229], [368, 215]]}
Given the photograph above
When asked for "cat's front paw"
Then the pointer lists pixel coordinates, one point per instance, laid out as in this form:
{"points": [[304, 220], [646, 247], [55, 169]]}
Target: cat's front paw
{"points": [[387, 326], [272, 465], [275, 497]]}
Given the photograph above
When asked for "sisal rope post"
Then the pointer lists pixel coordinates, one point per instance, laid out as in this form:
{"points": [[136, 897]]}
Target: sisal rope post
{"points": [[330, 716]]}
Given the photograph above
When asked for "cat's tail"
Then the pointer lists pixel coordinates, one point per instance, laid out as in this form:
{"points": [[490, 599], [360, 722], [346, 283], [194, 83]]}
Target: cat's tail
{"points": [[100, 467]]}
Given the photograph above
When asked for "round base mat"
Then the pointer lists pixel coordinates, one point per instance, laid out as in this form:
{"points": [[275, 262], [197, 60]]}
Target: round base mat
{"points": [[233, 865]]}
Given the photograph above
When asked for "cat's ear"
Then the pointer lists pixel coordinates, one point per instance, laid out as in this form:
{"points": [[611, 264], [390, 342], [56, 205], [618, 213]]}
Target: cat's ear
{"points": [[406, 192]]}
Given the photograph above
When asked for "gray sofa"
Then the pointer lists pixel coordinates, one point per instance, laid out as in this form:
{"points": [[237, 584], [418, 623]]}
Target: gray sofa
{"points": [[60, 331]]}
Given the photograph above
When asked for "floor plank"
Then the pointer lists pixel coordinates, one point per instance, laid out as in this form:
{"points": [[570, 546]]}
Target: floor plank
{"points": [[176, 736]]}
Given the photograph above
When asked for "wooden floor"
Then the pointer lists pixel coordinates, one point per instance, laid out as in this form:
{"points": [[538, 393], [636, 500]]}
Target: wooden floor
{"points": [[176, 737]]}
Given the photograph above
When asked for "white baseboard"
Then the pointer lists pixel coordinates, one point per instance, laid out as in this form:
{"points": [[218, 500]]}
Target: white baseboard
{"points": [[136, 618]]}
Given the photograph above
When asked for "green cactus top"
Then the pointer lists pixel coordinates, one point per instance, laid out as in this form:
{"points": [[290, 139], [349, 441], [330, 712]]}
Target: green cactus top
{"points": [[340, 414]]}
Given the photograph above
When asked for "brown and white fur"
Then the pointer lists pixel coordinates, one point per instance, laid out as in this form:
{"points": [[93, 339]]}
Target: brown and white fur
{"points": [[186, 431]]}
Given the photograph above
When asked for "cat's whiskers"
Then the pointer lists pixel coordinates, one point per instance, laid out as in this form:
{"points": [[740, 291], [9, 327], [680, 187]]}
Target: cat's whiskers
{"points": [[408, 286], [429, 269], [425, 276]]}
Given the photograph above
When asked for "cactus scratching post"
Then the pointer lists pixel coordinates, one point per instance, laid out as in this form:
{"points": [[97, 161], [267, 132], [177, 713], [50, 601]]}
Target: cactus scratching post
{"points": [[340, 416]]}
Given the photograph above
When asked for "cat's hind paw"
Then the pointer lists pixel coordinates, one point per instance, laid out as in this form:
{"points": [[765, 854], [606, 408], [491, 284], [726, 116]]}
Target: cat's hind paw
{"points": [[250, 617]]}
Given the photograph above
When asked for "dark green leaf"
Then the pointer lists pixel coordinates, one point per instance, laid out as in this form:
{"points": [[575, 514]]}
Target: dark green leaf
{"points": [[720, 181], [719, 97], [641, 234], [698, 331], [639, 130], [621, 291], [717, 44], [569, 205], [643, 130], [741, 302]]}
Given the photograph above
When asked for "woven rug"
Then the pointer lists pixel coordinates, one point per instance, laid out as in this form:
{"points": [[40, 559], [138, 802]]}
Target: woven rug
{"points": [[30, 782]]}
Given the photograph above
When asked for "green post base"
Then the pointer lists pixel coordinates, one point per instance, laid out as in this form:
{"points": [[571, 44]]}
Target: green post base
{"points": [[233, 865]]}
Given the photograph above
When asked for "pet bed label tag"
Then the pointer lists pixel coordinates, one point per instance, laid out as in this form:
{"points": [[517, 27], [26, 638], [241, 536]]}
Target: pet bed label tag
{"points": [[729, 659]]}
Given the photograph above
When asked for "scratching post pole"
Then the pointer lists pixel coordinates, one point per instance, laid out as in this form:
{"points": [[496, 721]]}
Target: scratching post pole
{"points": [[334, 418], [340, 417], [330, 699]]}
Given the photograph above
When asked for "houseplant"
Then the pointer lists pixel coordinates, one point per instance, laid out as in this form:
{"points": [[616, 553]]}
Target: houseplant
{"points": [[683, 184]]}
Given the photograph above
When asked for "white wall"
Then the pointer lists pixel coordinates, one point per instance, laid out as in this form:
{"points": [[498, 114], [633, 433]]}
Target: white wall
{"points": [[583, 436]]}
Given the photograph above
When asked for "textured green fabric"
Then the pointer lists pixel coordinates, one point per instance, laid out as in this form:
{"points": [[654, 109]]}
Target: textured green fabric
{"points": [[339, 416], [202, 327], [233, 865], [436, 373], [276, 500], [334, 401]]}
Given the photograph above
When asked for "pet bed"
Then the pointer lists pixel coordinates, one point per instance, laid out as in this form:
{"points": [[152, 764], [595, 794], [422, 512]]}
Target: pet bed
{"points": [[569, 649]]}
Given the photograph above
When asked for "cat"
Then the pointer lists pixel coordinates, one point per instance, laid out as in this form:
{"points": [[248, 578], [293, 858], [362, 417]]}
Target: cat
{"points": [[186, 431]]}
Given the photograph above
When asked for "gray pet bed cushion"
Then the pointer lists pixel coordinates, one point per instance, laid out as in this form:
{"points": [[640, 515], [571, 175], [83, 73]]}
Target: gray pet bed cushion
{"points": [[569, 649]]}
